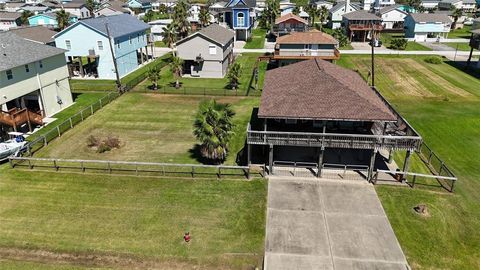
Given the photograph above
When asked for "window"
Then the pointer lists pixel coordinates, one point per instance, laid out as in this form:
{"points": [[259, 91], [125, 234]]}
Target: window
{"points": [[290, 121], [138, 37], [100, 45], [240, 19], [130, 39], [118, 44], [68, 44], [212, 49], [27, 68], [40, 63], [9, 74]]}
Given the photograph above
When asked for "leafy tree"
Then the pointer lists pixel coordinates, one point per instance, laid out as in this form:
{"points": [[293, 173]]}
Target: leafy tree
{"points": [[398, 44], [340, 36], [204, 17], [63, 19], [24, 17], [296, 10], [176, 66], [213, 129], [148, 16], [414, 4], [154, 77], [162, 9], [233, 75], [313, 12], [169, 35], [91, 6], [322, 16], [456, 14]]}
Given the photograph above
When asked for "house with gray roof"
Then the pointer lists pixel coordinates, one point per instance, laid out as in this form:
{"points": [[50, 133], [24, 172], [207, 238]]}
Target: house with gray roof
{"points": [[422, 26], [392, 17], [33, 82], [362, 25], [338, 10], [91, 38], [208, 52], [9, 20], [40, 34]]}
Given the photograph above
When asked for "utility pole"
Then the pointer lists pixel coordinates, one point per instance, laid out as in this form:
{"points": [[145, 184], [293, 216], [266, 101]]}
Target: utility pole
{"points": [[119, 84], [372, 43]]}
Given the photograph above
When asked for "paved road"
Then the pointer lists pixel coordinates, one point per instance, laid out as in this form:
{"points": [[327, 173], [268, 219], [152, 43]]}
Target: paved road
{"points": [[328, 224]]}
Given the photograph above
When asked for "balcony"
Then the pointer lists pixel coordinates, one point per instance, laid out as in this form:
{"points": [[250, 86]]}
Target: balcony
{"points": [[365, 27], [332, 54]]}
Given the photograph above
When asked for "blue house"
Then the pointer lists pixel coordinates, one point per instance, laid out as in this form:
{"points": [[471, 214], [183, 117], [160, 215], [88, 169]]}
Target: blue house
{"points": [[142, 5], [423, 26], [88, 41], [49, 20], [239, 15]]}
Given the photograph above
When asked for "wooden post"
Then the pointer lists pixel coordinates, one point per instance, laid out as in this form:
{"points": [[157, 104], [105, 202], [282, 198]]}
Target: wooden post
{"points": [[390, 156], [249, 150], [71, 124], [406, 164], [270, 160], [372, 165], [58, 131], [320, 162]]}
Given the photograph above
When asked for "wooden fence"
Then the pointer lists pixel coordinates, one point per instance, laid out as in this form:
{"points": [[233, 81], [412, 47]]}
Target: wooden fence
{"points": [[135, 168], [446, 182], [44, 138]]}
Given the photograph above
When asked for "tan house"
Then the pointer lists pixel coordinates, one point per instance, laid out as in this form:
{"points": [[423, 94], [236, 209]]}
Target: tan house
{"points": [[289, 23], [300, 46], [33, 82], [208, 52]]}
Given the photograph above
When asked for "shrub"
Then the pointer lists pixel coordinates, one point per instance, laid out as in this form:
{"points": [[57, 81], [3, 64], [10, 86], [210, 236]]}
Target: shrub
{"points": [[433, 60], [112, 142], [103, 148], [105, 145], [398, 44]]}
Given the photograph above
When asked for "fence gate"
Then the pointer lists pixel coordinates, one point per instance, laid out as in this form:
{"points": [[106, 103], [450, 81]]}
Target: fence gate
{"points": [[344, 171], [293, 168]]}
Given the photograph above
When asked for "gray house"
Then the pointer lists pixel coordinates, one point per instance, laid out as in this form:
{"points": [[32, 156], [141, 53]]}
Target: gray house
{"points": [[208, 52]]}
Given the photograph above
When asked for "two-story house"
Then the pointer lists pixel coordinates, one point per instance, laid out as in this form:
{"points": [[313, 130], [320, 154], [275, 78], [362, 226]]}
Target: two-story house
{"points": [[421, 26], [9, 20], [33, 82], [362, 25], [78, 9], [239, 15], [335, 15], [139, 6], [91, 38], [300, 46], [392, 17], [208, 52], [289, 23]]}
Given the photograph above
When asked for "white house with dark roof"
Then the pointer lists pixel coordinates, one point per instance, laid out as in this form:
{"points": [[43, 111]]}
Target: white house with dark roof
{"points": [[77, 8], [89, 39], [336, 13], [9, 20], [208, 52], [33, 82], [392, 17]]}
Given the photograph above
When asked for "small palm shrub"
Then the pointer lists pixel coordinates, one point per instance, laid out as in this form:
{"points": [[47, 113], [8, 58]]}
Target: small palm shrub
{"points": [[398, 44]]}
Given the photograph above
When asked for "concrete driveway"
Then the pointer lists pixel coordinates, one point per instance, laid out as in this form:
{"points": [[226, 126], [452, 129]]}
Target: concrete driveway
{"points": [[328, 224]]}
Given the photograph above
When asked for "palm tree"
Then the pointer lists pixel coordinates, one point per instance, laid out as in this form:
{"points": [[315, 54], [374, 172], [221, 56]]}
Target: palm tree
{"points": [[169, 36], [154, 77], [272, 10], [322, 15], [233, 75], [313, 11], [204, 17], [25, 15], [180, 18], [176, 66], [456, 14], [63, 19], [213, 128]]}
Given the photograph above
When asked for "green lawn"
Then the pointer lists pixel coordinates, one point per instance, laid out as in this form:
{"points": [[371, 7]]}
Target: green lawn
{"points": [[160, 44], [461, 46], [386, 38], [461, 33], [151, 127], [445, 110], [128, 222], [247, 63], [258, 39]]}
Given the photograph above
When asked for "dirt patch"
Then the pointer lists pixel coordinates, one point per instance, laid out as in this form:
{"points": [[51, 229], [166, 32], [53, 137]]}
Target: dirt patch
{"points": [[124, 261]]}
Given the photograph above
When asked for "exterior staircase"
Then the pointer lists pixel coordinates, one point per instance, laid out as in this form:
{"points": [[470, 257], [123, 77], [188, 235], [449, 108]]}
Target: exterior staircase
{"points": [[17, 117]]}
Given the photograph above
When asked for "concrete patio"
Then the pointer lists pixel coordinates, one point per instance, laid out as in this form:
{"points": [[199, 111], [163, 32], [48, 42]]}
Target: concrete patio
{"points": [[328, 224]]}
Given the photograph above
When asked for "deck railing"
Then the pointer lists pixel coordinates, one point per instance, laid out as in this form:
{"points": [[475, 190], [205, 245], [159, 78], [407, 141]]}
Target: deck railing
{"points": [[333, 140]]}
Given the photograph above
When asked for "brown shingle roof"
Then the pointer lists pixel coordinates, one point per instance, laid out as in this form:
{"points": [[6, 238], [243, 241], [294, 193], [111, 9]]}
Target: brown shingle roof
{"points": [[311, 37], [36, 33], [289, 16], [10, 15], [317, 89]]}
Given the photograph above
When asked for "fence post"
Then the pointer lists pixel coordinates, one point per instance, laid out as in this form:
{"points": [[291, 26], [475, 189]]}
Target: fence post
{"points": [[55, 164], [109, 168], [11, 162], [91, 108], [81, 114], [219, 174], [58, 130], [45, 142], [413, 180], [83, 167], [101, 105], [248, 172], [71, 124], [30, 164], [193, 172], [441, 168]]}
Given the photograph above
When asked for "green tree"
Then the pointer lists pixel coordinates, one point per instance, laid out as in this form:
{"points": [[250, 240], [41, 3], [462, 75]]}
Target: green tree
{"points": [[322, 16], [414, 4], [180, 18], [169, 35], [162, 9], [296, 10], [154, 77], [63, 19], [456, 14], [233, 75], [204, 17], [213, 129], [148, 16], [24, 17], [91, 6], [271, 12], [341, 37], [313, 12], [176, 67]]}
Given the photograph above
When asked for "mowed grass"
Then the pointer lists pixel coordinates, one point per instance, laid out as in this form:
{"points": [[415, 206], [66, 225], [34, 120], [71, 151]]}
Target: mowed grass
{"points": [[464, 46], [151, 127], [51, 218], [257, 39], [443, 104]]}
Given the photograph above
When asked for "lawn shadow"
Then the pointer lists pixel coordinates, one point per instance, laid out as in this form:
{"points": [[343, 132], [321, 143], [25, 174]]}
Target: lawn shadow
{"points": [[462, 65]]}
